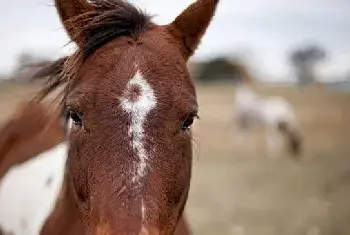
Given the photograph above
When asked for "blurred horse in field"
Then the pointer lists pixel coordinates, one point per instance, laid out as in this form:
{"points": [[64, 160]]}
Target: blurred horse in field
{"points": [[275, 114]]}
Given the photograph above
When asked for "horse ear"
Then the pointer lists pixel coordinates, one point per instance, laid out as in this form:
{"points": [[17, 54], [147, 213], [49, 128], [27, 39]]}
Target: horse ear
{"points": [[68, 10], [189, 27]]}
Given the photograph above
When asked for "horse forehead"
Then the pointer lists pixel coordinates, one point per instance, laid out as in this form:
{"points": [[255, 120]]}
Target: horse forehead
{"points": [[139, 95], [138, 70]]}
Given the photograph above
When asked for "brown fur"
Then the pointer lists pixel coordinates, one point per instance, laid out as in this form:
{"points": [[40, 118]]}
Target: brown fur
{"points": [[33, 129], [30, 124], [113, 37], [69, 8]]}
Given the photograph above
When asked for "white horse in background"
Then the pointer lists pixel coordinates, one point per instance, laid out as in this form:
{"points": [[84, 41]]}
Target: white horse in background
{"points": [[274, 113]]}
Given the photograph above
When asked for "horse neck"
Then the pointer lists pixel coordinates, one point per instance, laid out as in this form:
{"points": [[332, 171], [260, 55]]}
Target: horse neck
{"points": [[65, 217], [23, 148]]}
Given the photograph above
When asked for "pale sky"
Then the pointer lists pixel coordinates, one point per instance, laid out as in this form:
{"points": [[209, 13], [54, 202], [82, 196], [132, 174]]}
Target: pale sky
{"points": [[268, 29]]}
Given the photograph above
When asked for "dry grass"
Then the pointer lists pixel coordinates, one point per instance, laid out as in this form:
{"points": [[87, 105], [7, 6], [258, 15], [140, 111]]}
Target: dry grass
{"points": [[240, 192], [247, 193]]}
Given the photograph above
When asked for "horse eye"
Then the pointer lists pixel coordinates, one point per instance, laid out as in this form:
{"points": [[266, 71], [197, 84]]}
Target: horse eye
{"points": [[75, 117], [188, 122]]}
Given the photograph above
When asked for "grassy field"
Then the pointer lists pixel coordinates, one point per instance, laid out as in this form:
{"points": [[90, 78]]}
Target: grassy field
{"points": [[243, 191]]}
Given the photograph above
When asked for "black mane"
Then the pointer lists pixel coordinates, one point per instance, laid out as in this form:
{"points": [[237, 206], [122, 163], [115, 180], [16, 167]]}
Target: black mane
{"points": [[108, 20]]}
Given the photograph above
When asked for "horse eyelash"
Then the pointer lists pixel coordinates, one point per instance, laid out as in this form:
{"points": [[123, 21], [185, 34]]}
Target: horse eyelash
{"points": [[196, 116]]}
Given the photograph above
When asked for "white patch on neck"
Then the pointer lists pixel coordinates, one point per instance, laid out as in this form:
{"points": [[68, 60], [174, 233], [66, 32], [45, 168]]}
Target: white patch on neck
{"points": [[138, 110], [29, 191]]}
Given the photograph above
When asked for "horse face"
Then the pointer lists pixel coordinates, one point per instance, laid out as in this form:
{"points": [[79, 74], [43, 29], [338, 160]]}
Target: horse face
{"points": [[130, 104]]}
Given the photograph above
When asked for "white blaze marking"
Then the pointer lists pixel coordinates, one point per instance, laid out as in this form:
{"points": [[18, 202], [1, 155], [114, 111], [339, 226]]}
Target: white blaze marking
{"points": [[143, 210], [138, 110], [25, 198]]}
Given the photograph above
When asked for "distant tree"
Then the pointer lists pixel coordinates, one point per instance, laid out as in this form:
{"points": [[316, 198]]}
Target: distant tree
{"points": [[214, 70], [305, 60], [240, 71], [222, 69]]}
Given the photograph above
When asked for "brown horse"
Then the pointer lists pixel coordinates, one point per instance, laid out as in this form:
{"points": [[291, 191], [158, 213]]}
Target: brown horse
{"points": [[30, 134], [130, 104]]}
